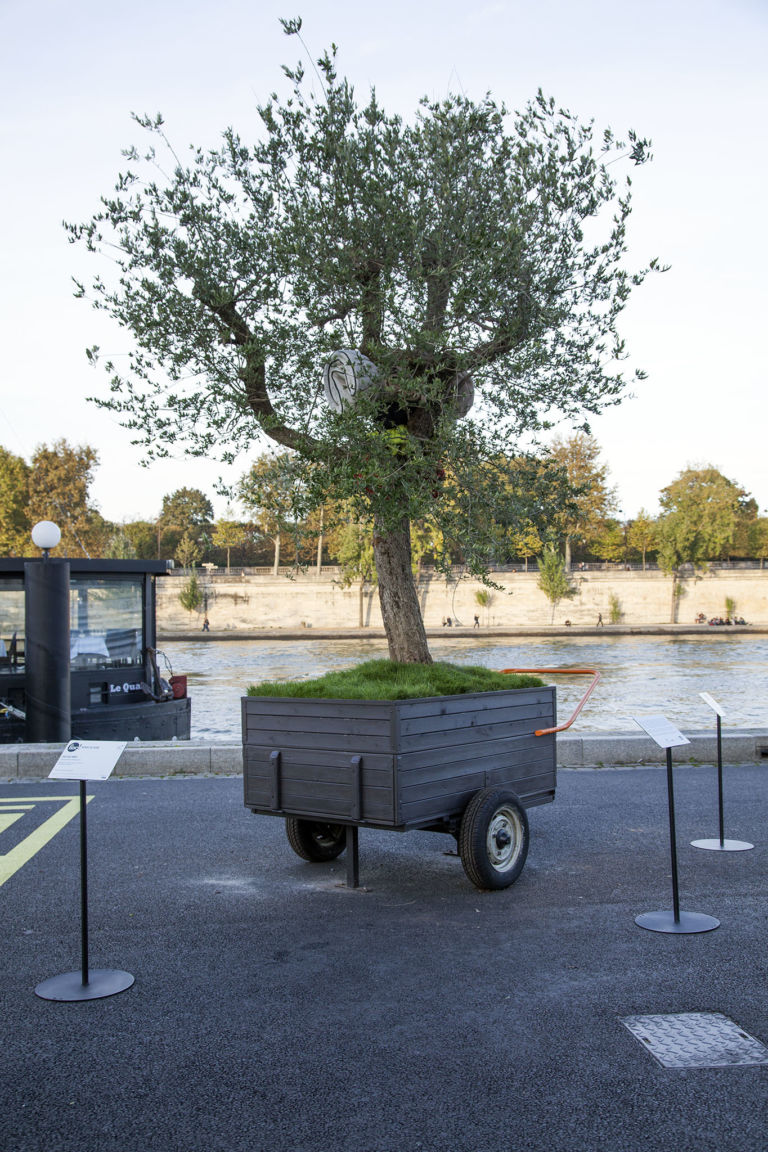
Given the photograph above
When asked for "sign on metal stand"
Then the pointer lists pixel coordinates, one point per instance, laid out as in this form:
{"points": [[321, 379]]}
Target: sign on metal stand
{"points": [[667, 736], [721, 844], [85, 760]]}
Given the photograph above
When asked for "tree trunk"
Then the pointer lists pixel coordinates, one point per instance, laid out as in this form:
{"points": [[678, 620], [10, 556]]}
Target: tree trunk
{"points": [[567, 553], [320, 546], [399, 601], [276, 565]]}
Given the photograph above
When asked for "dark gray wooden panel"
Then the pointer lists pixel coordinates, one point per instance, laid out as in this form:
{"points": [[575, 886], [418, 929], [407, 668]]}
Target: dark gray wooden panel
{"points": [[522, 783], [414, 766], [323, 782], [358, 739], [531, 713], [425, 707], [284, 706], [443, 740]]}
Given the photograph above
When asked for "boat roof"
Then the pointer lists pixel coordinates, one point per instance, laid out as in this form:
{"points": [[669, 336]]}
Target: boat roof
{"points": [[15, 566]]}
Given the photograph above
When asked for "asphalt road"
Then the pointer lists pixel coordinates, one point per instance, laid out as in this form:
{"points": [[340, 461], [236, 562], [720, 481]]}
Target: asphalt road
{"points": [[274, 1009]]}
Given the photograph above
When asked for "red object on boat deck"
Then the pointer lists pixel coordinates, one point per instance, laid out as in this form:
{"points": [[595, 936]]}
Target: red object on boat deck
{"points": [[179, 686]]}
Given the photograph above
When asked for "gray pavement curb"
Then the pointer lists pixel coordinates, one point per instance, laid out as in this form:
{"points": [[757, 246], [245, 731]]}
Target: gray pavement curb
{"points": [[587, 750]]}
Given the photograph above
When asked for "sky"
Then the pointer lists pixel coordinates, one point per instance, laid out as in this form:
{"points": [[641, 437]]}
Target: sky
{"points": [[689, 74]]}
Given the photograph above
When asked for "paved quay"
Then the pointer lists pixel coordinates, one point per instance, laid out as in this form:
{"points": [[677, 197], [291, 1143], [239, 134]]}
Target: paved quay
{"points": [[275, 1009], [574, 750], [164, 636]]}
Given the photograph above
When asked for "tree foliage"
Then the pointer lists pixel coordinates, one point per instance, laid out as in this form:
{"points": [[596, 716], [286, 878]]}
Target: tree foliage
{"points": [[60, 479], [641, 534], [554, 580], [464, 253], [187, 509], [701, 514], [592, 500], [14, 497]]}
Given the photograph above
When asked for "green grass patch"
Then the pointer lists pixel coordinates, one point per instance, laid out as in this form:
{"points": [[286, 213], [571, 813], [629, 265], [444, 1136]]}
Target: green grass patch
{"points": [[386, 680]]}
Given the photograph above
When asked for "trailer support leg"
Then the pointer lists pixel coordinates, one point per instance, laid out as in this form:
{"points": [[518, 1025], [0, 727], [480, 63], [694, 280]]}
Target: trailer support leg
{"points": [[353, 861]]}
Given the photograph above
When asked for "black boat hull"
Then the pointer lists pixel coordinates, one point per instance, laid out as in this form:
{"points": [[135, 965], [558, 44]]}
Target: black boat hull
{"points": [[145, 720]]}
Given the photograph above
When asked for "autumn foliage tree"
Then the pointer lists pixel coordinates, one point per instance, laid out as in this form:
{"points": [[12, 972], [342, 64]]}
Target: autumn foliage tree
{"points": [[60, 479], [592, 499], [14, 496], [468, 254]]}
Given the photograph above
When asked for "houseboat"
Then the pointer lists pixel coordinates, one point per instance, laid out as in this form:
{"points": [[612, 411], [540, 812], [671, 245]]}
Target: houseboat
{"points": [[118, 689]]}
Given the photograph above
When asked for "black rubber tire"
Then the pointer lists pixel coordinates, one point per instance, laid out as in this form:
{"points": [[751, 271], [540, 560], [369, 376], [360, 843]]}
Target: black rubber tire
{"points": [[493, 838], [315, 841]]}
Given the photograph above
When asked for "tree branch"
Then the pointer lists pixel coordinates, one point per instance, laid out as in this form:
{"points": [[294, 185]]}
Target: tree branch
{"points": [[254, 374]]}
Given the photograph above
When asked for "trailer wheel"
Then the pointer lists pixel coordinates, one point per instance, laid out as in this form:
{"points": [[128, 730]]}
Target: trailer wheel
{"points": [[315, 841], [493, 839]]}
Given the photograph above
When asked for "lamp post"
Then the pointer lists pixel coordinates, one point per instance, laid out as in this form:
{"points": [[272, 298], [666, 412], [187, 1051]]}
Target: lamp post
{"points": [[46, 610]]}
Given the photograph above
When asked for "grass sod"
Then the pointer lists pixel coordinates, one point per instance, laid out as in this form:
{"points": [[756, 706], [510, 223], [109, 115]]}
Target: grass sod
{"points": [[386, 680]]}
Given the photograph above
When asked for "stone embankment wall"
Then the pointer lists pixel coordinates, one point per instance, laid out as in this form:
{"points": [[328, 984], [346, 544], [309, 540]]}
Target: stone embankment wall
{"points": [[244, 603]]}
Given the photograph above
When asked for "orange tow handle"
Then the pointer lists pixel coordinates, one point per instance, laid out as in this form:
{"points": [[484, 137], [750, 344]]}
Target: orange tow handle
{"points": [[562, 672]]}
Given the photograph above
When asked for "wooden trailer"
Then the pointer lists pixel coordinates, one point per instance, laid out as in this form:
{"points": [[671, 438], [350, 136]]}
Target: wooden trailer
{"points": [[469, 765]]}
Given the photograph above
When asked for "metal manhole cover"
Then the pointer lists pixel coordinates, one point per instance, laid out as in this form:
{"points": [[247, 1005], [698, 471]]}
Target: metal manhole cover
{"points": [[696, 1040]]}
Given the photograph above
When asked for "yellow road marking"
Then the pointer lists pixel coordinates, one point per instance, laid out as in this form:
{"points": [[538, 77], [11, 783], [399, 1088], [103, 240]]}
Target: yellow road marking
{"points": [[18, 856], [8, 818]]}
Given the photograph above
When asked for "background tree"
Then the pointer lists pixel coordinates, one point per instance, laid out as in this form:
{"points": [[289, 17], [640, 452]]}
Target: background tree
{"points": [[15, 524], [273, 491], [229, 533], [610, 543], [592, 501], [354, 548], [450, 251], [641, 534], [701, 512], [143, 538], [554, 580], [191, 594], [60, 479], [187, 509], [188, 551], [187, 512], [759, 540], [525, 542]]}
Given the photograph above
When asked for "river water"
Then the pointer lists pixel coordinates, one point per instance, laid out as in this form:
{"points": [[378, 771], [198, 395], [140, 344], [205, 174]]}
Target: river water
{"points": [[641, 675]]}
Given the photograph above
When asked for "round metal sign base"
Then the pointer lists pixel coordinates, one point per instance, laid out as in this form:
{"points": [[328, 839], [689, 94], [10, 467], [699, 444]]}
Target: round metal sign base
{"points": [[688, 922], [69, 986], [726, 846]]}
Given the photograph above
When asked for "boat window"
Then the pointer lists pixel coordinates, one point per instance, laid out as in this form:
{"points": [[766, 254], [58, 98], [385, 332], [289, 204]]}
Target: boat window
{"points": [[105, 622], [11, 623]]}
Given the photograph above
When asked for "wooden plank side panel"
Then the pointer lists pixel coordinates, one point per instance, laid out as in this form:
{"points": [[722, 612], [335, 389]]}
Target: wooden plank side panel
{"points": [[354, 725], [515, 713], [468, 702], [417, 766], [425, 812], [528, 767], [321, 782]]}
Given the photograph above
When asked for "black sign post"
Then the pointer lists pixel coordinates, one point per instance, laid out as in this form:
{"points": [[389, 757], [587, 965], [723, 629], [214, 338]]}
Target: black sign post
{"points": [[667, 736], [83, 761], [721, 844]]}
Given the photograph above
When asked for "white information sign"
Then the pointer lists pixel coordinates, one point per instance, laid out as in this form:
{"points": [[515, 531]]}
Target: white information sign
{"points": [[718, 708], [662, 731], [87, 760]]}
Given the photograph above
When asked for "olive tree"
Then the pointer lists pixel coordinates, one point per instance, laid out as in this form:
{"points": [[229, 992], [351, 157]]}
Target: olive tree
{"points": [[469, 264]]}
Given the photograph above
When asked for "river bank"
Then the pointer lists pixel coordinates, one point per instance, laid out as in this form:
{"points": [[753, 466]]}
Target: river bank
{"points": [[480, 633], [248, 603]]}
